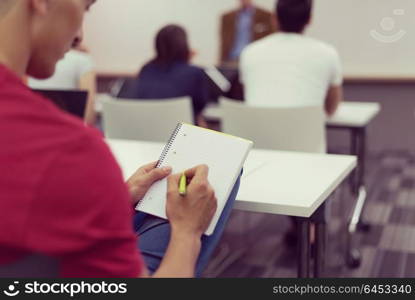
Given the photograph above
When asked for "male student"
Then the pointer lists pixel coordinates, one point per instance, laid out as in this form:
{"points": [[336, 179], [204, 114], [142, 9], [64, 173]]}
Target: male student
{"points": [[287, 68], [242, 26], [64, 207]]}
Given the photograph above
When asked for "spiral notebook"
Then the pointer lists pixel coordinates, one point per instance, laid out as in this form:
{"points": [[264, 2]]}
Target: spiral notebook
{"points": [[190, 146]]}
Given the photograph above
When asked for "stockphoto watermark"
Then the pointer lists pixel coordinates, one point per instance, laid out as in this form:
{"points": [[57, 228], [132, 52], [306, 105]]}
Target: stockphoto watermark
{"points": [[69, 289], [390, 33]]}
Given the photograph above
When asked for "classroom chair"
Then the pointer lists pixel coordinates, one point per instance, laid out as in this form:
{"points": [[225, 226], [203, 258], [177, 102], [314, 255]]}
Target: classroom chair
{"points": [[145, 120], [299, 129]]}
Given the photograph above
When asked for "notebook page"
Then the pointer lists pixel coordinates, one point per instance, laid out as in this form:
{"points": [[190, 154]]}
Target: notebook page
{"points": [[194, 146]]}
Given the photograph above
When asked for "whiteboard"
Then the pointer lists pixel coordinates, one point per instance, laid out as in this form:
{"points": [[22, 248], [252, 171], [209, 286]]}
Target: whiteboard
{"points": [[375, 38]]}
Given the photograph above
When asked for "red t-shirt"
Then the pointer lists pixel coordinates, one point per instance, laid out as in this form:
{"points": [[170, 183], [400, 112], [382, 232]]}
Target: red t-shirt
{"points": [[62, 194]]}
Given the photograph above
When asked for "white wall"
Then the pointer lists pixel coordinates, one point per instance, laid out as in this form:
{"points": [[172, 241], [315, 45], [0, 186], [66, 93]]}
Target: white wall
{"points": [[120, 33], [347, 24]]}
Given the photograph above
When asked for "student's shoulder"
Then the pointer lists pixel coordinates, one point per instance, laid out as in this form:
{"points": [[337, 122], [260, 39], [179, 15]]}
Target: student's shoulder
{"points": [[148, 66], [58, 129], [322, 46], [55, 137], [189, 70], [78, 152], [153, 68], [258, 46], [195, 69]]}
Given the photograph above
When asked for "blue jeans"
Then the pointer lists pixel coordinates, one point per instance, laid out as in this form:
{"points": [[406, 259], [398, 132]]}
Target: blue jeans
{"points": [[154, 236]]}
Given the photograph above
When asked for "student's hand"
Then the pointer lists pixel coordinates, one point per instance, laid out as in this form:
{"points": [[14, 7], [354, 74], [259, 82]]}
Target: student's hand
{"points": [[201, 121], [144, 178], [192, 213]]}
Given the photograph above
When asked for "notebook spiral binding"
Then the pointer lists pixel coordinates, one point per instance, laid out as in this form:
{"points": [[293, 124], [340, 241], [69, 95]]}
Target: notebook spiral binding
{"points": [[165, 152], [168, 145]]}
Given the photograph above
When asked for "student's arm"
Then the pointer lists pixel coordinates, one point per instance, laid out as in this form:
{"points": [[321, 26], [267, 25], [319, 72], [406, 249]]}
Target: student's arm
{"points": [[201, 121], [189, 217], [333, 99], [200, 97], [88, 82], [335, 91]]}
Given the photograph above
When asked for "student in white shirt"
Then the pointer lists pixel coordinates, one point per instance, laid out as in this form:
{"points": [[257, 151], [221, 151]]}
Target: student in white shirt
{"points": [[74, 72], [289, 69]]}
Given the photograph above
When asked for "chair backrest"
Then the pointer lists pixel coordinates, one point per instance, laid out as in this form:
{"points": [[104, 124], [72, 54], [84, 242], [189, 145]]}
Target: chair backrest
{"points": [[299, 129], [127, 89], [145, 120]]}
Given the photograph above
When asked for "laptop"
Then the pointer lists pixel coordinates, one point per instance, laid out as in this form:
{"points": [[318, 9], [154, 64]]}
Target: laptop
{"points": [[71, 101]]}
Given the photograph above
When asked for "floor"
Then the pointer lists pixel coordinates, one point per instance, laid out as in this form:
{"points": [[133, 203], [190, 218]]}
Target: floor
{"points": [[253, 245]]}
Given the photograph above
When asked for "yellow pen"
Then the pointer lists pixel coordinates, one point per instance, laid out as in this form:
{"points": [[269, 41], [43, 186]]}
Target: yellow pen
{"points": [[182, 185]]}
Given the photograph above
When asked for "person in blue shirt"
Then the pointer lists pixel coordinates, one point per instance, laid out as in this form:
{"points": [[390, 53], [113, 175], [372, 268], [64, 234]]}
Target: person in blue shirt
{"points": [[170, 74], [240, 27]]}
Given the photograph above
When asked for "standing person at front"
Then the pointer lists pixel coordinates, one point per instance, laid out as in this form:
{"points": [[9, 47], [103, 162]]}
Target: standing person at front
{"points": [[240, 27]]}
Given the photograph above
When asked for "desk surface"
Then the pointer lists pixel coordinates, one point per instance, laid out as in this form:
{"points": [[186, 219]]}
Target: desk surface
{"points": [[284, 183], [355, 114], [349, 114]]}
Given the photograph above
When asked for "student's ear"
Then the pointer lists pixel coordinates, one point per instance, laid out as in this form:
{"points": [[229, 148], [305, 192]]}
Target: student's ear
{"points": [[40, 6]]}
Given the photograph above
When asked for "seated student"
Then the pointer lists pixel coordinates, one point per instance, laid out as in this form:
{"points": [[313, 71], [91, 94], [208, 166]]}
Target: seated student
{"points": [[170, 74], [63, 199], [74, 72], [289, 69]]}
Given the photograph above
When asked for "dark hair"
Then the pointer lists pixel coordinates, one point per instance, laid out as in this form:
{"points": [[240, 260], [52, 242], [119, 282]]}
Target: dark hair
{"points": [[293, 15], [172, 45]]}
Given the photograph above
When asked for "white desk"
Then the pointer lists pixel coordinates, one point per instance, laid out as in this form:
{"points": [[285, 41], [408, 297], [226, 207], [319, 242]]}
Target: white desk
{"points": [[350, 114], [318, 175], [292, 184], [354, 114], [354, 117], [284, 183]]}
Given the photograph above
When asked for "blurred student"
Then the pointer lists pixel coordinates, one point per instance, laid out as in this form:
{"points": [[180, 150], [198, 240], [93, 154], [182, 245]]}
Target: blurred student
{"points": [[74, 72], [170, 74], [63, 200], [240, 27], [289, 69]]}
